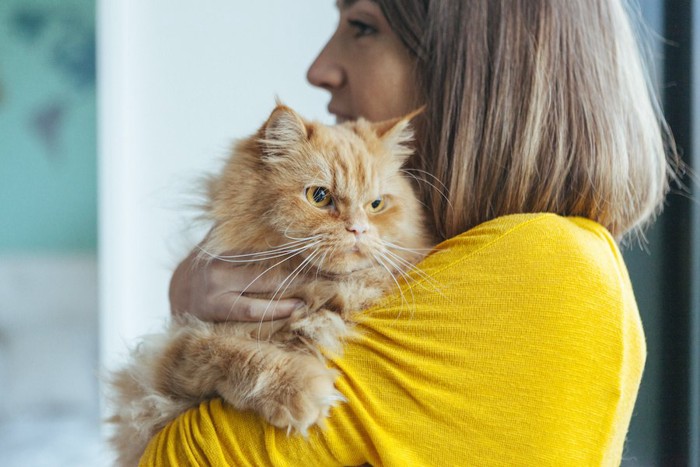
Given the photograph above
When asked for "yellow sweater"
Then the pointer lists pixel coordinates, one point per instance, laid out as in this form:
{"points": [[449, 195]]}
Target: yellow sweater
{"points": [[524, 347]]}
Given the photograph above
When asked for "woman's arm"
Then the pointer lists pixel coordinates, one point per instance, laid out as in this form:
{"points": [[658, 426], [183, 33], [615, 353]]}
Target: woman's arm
{"points": [[520, 345]]}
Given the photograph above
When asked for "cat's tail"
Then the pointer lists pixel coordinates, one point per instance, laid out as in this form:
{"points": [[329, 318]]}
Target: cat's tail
{"points": [[139, 409]]}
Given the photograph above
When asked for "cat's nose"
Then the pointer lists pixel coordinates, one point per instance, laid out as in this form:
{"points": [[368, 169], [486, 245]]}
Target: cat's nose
{"points": [[357, 228]]}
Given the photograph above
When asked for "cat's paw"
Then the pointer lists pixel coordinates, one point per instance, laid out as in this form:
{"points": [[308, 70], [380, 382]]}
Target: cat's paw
{"points": [[302, 398], [323, 328]]}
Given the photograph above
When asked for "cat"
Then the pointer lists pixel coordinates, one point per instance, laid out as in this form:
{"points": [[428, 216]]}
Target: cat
{"points": [[329, 213]]}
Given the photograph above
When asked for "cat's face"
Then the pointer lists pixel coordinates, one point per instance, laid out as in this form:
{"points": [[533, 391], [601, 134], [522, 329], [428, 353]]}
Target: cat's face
{"points": [[339, 191], [334, 197]]}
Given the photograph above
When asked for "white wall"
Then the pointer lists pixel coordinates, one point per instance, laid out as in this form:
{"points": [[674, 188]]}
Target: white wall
{"points": [[178, 81]]}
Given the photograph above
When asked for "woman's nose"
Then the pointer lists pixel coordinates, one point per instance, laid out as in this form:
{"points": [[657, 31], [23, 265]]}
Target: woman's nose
{"points": [[326, 72]]}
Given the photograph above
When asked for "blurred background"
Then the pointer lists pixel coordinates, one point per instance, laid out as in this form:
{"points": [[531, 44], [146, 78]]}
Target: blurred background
{"points": [[110, 110], [48, 234]]}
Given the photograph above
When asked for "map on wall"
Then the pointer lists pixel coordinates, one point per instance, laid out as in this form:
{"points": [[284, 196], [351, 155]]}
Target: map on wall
{"points": [[71, 54], [47, 125]]}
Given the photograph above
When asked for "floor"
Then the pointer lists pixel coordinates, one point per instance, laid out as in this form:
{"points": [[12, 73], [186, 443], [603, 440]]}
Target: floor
{"points": [[49, 404]]}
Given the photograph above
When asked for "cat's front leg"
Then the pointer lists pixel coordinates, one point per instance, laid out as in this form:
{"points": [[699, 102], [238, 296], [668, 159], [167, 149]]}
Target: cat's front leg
{"points": [[325, 322], [290, 389]]}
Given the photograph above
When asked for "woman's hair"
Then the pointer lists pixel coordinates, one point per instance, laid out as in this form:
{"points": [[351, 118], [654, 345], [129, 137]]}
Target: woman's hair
{"points": [[534, 106]]}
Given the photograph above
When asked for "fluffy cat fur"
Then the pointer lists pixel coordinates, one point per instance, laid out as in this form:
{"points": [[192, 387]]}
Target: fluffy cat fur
{"points": [[328, 213]]}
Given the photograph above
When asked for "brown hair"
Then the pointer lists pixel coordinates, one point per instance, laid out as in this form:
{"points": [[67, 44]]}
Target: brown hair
{"points": [[534, 106]]}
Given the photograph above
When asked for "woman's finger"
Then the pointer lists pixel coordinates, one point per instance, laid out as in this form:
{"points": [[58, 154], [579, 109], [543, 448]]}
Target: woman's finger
{"points": [[224, 276], [235, 307]]}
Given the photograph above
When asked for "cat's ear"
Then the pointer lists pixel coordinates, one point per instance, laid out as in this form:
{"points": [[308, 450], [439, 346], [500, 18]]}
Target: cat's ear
{"points": [[397, 133], [283, 130]]}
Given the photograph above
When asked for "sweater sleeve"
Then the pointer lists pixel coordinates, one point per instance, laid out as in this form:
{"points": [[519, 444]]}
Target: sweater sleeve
{"points": [[518, 343]]}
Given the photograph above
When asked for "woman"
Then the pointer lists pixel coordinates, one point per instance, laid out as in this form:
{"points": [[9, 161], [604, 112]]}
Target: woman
{"points": [[542, 145]]}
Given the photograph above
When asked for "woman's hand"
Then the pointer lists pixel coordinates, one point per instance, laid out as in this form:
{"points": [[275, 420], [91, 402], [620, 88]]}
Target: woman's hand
{"points": [[211, 291]]}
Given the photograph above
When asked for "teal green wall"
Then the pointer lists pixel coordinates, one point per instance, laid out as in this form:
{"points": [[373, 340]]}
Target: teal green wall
{"points": [[47, 126]]}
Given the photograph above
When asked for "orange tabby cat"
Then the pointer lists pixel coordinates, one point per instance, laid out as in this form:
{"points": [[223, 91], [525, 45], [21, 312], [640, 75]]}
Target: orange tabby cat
{"points": [[328, 213]]}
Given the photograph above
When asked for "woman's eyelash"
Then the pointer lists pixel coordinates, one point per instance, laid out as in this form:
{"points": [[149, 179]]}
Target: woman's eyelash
{"points": [[362, 29]]}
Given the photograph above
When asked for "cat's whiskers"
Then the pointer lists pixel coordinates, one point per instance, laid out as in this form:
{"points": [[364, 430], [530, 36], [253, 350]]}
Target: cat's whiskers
{"points": [[406, 279], [312, 237], [418, 251], [289, 243], [403, 266], [293, 243], [321, 262], [297, 253], [376, 255], [409, 266], [262, 258], [282, 250], [425, 172], [288, 281], [444, 191], [406, 265]]}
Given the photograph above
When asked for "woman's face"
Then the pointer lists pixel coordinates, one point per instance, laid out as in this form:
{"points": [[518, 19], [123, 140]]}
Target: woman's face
{"points": [[365, 66]]}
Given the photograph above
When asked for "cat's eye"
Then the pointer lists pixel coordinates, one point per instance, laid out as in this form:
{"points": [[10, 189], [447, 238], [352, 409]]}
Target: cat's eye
{"points": [[376, 205], [318, 196]]}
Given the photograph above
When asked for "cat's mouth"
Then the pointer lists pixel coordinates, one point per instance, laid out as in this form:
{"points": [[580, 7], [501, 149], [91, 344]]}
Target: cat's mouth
{"points": [[354, 260], [343, 273], [345, 256]]}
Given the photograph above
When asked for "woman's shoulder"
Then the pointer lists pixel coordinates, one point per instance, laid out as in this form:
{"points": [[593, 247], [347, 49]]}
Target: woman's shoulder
{"points": [[536, 264], [534, 242], [534, 229]]}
